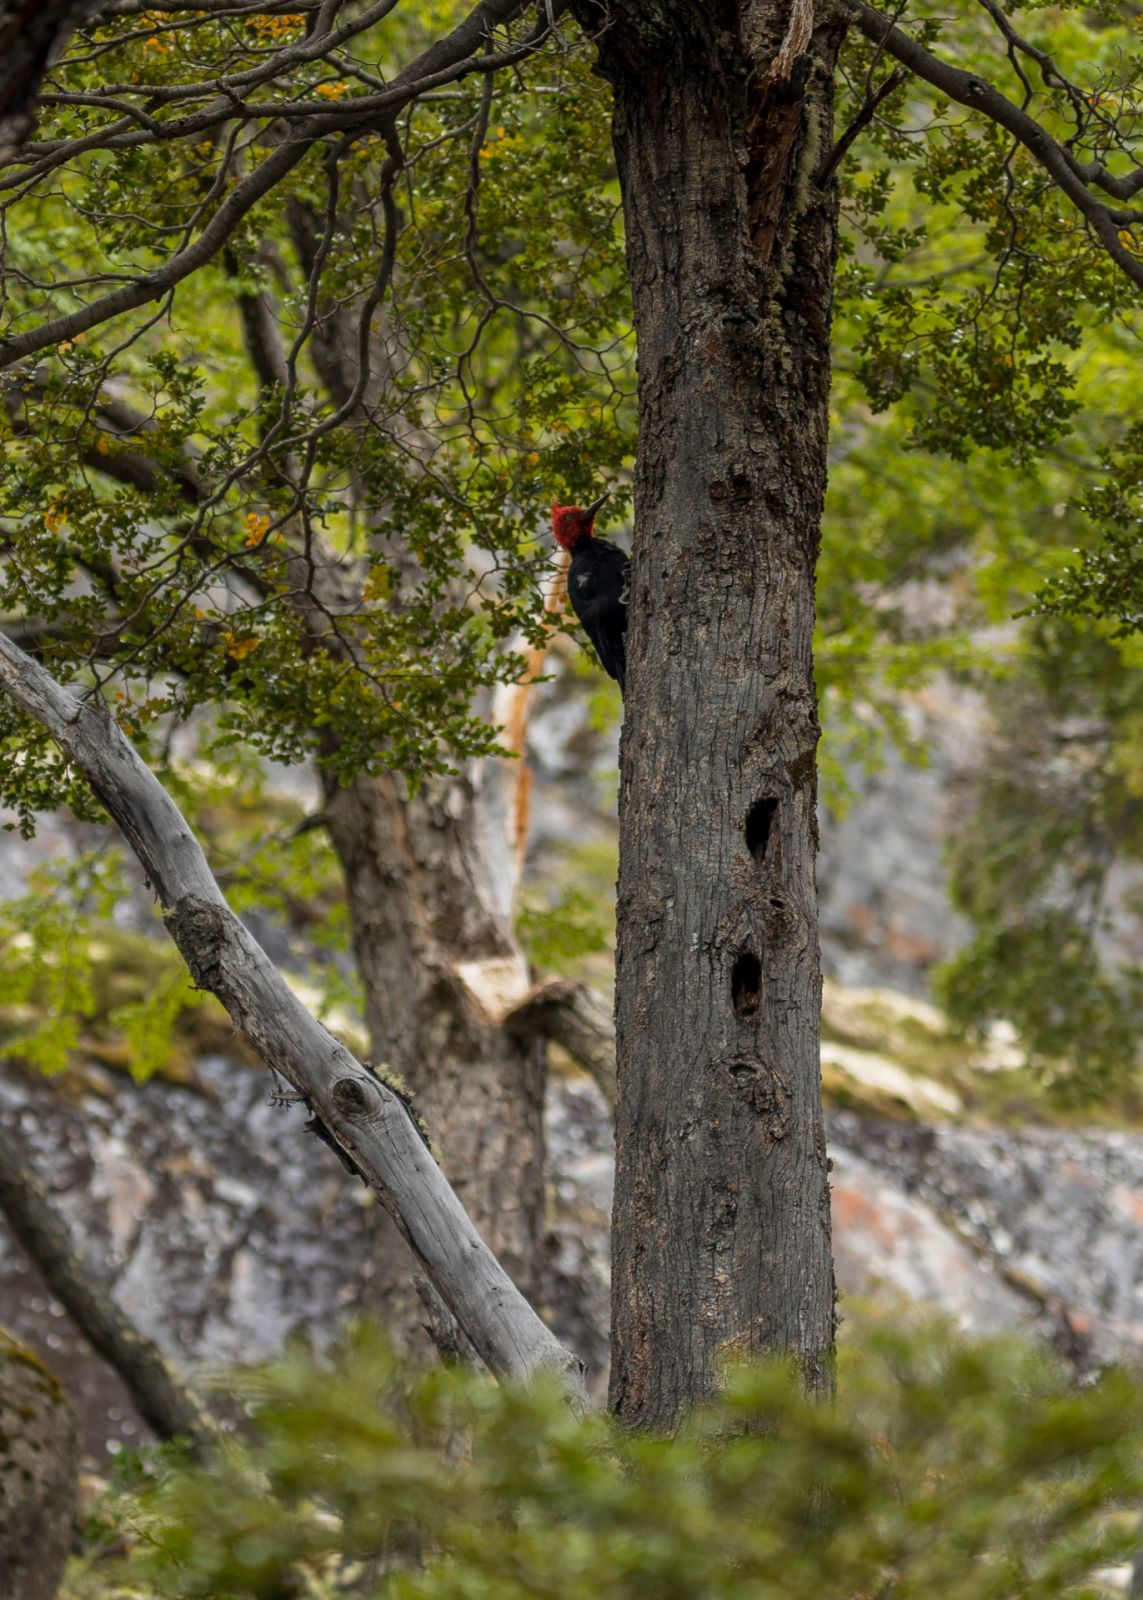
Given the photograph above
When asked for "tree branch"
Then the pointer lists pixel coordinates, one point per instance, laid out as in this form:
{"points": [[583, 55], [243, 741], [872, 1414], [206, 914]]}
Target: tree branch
{"points": [[863, 118], [444, 61], [31, 34], [969, 90], [367, 1121], [575, 1018], [153, 285], [160, 1397]]}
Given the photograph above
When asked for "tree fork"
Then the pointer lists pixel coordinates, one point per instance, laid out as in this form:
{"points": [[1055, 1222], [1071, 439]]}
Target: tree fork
{"points": [[721, 1239]]}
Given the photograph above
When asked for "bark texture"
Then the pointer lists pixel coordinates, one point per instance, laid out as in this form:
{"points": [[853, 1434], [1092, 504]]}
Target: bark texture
{"points": [[438, 962], [721, 1224], [39, 1464]]}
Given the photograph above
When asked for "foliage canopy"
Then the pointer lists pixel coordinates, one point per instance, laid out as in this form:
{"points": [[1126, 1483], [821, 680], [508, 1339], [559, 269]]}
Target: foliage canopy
{"points": [[293, 500]]}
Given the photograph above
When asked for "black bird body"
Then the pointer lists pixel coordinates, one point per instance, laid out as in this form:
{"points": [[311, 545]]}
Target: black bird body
{"points": [[597, 585], [597, 588]]}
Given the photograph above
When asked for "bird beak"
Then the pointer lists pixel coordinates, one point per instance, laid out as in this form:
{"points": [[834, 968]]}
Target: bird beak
{"points": [[595, 505]]}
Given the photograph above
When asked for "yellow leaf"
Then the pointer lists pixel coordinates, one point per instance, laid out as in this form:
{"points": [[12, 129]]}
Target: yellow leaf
{"points": [[256, 527], [379, 584]]}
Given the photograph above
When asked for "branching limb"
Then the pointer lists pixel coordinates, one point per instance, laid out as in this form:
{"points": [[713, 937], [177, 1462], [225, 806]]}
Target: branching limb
{"points": [[155, 284], [461, 51], [575, 1018], [862, 120], [368, 1122], [969, 90]]}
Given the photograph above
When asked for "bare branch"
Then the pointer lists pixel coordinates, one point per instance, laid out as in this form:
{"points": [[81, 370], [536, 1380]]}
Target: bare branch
{"points": [[862, 120], [443, 62], [155, 284], [575, 1018], [969, 90], [364, 1117]]}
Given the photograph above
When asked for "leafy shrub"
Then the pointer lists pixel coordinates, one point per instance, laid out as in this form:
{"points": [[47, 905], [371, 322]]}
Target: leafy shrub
{"points": [[964, 1471]]}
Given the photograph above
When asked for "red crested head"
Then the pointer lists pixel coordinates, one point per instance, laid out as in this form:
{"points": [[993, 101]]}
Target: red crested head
{"points": [[570, 524]]}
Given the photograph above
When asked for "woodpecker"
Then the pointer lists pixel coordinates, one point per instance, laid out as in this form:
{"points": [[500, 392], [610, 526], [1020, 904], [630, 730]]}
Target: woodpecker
{"points": [[597, 584]]}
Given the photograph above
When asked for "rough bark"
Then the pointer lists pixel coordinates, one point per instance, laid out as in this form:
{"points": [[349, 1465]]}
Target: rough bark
{"points": [[437, 958], [721, 1222], [363, 1117], [161, 1399], [39, 1463], [32, 34], [430, 882]]}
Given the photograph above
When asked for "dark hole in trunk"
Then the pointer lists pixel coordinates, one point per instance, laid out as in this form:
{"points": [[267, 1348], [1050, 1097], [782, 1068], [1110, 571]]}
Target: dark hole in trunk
{"points": [[746, 983], [759, 821]]}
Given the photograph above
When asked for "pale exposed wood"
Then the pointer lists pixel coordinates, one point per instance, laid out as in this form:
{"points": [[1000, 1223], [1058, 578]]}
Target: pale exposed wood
{"points": [[575, 1018], [798, 31], [369, 1122], [511, 709]]}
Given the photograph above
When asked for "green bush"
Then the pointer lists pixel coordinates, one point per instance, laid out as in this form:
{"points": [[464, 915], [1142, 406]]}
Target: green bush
{"points": [[946, 1470]]}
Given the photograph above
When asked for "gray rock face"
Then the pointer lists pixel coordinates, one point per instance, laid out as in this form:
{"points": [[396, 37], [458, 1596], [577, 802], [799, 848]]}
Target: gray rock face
{"points": [[215, 1220], [882, 888], [224, 1228], [1056, 1215], [887, 1246], [1039, 1230], [39, 1458], [581, 1171]]}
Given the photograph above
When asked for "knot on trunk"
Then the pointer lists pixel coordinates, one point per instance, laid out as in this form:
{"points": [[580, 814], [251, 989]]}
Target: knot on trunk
{"points": [[355, 1099]]}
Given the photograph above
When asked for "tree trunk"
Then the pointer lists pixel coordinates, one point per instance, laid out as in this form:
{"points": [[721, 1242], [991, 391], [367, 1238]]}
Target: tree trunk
{"points": [[721, 1226], [439, 965], [430, 882], [39, 1474]]}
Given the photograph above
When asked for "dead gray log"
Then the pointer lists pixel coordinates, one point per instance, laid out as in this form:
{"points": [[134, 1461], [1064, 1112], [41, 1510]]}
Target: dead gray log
{"points": [[368, 1122]]}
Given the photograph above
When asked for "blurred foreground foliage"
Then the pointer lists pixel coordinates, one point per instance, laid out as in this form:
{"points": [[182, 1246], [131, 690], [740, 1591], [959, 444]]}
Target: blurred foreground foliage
{"points": [[964, 1470]]}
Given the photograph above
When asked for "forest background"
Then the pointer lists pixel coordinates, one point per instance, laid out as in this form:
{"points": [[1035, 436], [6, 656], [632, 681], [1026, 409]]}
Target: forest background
{"points": [[274, 529]]}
